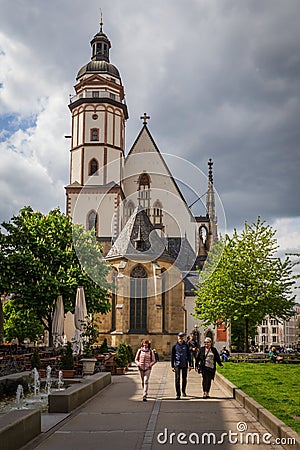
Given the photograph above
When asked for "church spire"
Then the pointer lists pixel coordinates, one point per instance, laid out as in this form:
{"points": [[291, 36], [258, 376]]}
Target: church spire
{"points": [[210, 197]]}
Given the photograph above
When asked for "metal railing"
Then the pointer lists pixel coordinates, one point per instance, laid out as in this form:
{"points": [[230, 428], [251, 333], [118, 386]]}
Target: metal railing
{"points": [[95, 95]]}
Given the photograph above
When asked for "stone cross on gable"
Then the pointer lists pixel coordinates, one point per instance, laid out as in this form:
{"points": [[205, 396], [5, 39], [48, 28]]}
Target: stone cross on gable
{"points": [[145, 118]]}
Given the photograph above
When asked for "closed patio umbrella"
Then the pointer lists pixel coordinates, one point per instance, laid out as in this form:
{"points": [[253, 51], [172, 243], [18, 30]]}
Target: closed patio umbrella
{"points": [[58, 322], [80, 316]]}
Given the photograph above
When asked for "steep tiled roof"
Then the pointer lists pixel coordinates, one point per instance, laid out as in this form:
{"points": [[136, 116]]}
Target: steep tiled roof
{"points": [[139, 240]]}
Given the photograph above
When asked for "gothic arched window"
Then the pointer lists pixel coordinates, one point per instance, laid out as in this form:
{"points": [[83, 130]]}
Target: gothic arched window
{"points": [[92, 221], [144, 191], [210, 335], [93, 166], [157, 212], [129, 208], [164, 301], [138, 300], [203, 234], [113, 299]]}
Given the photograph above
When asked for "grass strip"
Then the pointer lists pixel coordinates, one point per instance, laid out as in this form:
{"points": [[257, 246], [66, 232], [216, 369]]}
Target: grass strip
{"points": [[274, 386]]}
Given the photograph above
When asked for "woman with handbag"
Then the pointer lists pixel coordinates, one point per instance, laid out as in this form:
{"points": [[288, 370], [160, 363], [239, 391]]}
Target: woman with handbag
{"points": [[145, 360], [206, 362]]}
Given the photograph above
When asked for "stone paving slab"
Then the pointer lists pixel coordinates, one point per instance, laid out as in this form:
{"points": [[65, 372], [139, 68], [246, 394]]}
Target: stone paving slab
{"points": [[48, 421], [117, 418]]}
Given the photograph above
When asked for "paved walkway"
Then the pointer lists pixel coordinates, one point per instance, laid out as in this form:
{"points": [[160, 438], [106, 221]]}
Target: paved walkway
{"points": [[116, 418]]}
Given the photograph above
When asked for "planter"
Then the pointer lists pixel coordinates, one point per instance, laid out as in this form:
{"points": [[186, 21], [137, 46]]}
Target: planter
{"points": [[88, 365], [68, 373], [120, 370]]}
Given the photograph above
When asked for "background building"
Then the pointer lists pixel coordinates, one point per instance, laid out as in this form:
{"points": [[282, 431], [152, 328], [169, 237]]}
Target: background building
{"points": [[278, 332]]}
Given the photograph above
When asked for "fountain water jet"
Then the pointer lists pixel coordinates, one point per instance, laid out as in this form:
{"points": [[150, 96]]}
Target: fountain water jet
{"points": [[19, 397], [48, 380], [60, 380], [36, 381]]}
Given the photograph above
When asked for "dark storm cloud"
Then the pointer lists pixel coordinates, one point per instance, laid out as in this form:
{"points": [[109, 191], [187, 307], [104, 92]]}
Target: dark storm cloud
{"points": [[229, 89], [219, 78]]}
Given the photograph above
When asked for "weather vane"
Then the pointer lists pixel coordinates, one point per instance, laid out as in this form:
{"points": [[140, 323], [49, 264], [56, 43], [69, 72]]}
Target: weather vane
{"points": [[101, 21]]}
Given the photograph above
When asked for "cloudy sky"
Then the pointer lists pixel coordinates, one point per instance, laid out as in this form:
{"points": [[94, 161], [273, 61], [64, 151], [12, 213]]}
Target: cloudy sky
{"points": [[219, 78]]}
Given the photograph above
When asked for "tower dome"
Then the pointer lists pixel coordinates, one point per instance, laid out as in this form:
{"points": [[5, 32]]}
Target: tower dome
{"points": [[98, 67]]}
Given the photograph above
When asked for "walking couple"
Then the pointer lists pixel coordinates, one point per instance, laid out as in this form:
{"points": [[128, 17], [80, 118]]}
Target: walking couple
{"points": [[181, 362]]}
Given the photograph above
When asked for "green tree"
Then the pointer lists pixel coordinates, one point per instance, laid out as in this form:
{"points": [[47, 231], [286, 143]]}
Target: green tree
{"points": [[39, 262], [296, 263], [20, 323], [242, 280], [1, 318]]}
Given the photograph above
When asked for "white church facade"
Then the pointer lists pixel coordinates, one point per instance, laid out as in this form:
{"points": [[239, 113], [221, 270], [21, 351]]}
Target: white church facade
{"points": [[148, 233]]}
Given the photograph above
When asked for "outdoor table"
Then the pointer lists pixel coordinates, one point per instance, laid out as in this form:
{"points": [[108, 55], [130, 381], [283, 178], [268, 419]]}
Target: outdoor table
{"points": [[21, 357]]}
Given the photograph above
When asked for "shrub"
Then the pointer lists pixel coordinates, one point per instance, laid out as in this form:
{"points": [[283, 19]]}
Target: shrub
{"points": [[122, 355], [35, 360], [103, 347], [67, 359], [130, 354]]}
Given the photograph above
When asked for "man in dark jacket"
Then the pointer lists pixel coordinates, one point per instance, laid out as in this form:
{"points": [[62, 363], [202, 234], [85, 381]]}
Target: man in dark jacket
{"points": [[181, 362]]}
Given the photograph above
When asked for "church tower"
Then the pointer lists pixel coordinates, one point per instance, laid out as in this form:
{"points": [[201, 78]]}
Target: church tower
{"points": [[99, 113], [150, 237]]}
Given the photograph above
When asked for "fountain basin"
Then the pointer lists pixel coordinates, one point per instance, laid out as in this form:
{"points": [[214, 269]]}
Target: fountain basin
{"points": [[19, 427], [76, 394], [9, 383], [26, 424]]}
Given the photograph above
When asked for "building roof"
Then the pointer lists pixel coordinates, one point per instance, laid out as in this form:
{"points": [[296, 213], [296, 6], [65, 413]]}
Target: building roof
{"points": [[98, 67], [190, 280], [181, 251], [139, 240]]}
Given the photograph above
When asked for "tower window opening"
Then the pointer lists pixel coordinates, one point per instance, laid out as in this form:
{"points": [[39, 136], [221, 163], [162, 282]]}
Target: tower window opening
{"points": [[94, 134], [144, 180], [92, 221], [95, 94], [93, 167]]}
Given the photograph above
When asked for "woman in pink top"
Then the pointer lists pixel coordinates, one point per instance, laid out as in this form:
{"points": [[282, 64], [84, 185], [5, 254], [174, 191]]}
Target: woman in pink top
{"points": [[144, 360]]}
